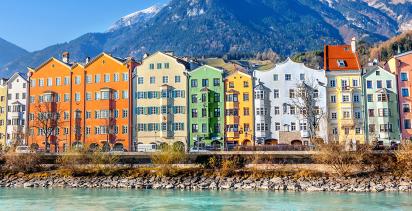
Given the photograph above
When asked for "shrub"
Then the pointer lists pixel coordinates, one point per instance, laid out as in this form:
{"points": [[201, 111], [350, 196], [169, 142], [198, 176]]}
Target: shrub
{"points": [[403, 159], [166, 157], [25, 163], [339, 159]]}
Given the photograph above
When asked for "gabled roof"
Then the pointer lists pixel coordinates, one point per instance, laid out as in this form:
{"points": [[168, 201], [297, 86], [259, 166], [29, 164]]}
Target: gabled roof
{"points": [[370, 70], [242, 72], [335, 53], [179, 60], [118, 60], [207, 66], [403, 54], [46, 62], [16, 75]]}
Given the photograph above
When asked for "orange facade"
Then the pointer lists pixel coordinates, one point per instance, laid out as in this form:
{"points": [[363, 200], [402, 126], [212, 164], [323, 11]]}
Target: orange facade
{"points": [[93, 103]]}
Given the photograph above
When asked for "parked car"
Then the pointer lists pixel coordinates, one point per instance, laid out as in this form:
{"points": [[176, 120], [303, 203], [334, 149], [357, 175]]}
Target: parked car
{"points": [[195, 149], [23, 150], [117, 150]]}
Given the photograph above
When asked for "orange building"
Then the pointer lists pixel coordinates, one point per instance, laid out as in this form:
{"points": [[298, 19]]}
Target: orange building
{"points": [[91, 100]]}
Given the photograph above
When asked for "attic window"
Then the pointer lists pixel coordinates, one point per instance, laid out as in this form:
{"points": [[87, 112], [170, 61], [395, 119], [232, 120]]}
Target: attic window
{"points": [[341, 63], [346, 49], [378, 73]]}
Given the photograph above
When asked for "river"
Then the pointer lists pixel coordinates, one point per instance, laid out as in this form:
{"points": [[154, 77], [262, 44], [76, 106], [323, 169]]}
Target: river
{"points": [[120, 199]]}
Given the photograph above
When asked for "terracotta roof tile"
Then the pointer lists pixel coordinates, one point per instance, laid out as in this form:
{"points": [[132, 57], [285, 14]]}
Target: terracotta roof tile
{"points": [[340, 57]]}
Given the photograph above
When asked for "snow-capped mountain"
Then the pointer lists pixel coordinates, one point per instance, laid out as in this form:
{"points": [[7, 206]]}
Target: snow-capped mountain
{"points": [[138, 17]]}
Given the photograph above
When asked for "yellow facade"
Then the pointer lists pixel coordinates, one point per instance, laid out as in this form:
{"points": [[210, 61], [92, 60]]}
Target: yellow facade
{"points": [[3, 113], [345, 108], [239, 118]]}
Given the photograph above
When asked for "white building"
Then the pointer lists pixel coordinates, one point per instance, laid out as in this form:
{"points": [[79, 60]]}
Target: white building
{"points": [[277, 114], [16, 109]]}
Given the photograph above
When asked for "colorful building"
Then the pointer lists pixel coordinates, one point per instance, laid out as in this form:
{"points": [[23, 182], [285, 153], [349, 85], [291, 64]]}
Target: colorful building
{"points": [[3, 112], [278, 119], [239, 109], [161, 101], [344, 92], [88, 104], [381, 106], [16, 110], [206, 92], [401, 66]]}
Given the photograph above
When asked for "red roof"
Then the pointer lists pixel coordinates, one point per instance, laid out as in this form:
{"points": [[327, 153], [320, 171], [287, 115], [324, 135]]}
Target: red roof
{"points": [[340, 57]]}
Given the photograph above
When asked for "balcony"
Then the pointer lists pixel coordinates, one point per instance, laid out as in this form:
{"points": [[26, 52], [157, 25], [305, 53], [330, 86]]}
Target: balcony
{"points": [[231, 134], [347, 123]]}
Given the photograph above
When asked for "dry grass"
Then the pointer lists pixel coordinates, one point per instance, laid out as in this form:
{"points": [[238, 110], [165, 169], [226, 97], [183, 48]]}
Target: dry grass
{"points": [[165, 159], [404, 160], [25, 163]]}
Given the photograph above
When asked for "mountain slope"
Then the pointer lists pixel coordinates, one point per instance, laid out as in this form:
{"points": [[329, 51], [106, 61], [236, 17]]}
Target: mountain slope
{"points": [[218, 27], [10, 52]]}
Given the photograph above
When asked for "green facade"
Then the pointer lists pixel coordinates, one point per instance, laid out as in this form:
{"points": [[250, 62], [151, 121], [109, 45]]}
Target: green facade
{"points": [[381, 113], [206, 107]]}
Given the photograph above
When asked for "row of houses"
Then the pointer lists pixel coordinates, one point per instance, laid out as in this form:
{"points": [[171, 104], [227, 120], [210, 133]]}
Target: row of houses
{"points": [[114, 103]]}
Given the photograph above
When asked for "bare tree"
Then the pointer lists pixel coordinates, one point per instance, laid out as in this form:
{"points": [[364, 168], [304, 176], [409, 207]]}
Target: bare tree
{"points": [[48, 121], [307, 101]]}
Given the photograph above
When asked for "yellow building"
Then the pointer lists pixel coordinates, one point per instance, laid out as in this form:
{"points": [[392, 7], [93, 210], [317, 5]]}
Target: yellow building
{"points": [[3, 112], [344, 94], [239, 118], [161, 114]]}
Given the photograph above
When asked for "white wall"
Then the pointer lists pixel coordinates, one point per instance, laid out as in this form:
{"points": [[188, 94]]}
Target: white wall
{"points": [[267, 79]]}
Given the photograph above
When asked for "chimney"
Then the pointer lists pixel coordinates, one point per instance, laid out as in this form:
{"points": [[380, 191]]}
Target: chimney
{"points": [[66, 57], [145, 55], [353, 44], [87, 60]]}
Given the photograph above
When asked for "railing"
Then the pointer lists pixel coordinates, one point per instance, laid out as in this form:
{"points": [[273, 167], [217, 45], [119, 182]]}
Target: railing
{"points": [[271, 148]]}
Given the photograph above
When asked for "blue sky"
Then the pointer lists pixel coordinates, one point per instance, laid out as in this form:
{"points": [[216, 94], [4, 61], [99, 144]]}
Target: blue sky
{"points": [[36, 24]]}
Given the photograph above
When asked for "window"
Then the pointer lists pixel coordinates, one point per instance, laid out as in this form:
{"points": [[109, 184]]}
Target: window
{"points": [[77, 97], [205, 82], [379, 84], [332, 83], [88, 114], [335, 131], [97, 78], [346, 114], [231, 85], [355, 83], [245, 84], [194, 98], [105, 95], [49, 82], [232, 98], [406, 108], [333, 99], [389, 84], [167, 65], [276, 93], [291, 93], [371, 112], [165, 79], [315, 93], [58, 81], [407, 124], [357, 130], [246, 112], [217, 112], [97, 95], [345, 98], [277, 126], [140, 80], [152, 80], [106, 77], [356, 98], [334, 115], [193, 83], [357, 114], [67, 80], [216, 82], [405, 92], [259, 94], [344, 84], [88, 79], [177, 79], [292, 110], [293, 126], [382, 98], [32, 83], [116, 77], [369, 84], [372, 128], [66, 97], [302, 76], [404, 76], [276, 110], [370, 97], [195, 128], [275, 77], [288, 77], [124, 129], [124, 113], [77, 80], [245, 96], [159, 66], [378, 72], [125, 94], [41, 82], [125, 76], [347, 131], [341, 63]]}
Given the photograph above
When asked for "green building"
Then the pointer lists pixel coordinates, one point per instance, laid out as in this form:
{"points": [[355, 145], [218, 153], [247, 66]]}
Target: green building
{"points": [[206, 108], [381, 106]]}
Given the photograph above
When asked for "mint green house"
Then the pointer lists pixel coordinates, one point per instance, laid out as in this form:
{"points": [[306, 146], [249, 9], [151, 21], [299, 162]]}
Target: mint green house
{"points": [[206, 108], [381, 106]]}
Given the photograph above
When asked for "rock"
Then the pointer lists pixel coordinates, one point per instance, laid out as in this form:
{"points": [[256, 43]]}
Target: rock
{"points": [[28, 185]]}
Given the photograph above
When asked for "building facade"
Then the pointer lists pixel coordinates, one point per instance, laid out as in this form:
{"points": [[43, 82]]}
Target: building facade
{"points": [[16, 110], [278, 119], [401, 66], [239, 109], [344, 94], [381, 106], [3, 112], [81, 105], [161, 101], [206, 92]]}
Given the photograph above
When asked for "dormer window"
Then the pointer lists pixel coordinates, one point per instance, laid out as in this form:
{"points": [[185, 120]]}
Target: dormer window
{"points": [[341, 63]]}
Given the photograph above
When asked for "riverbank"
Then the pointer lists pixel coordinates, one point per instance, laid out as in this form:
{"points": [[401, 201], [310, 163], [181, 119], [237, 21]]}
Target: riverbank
{"points": [[303, 184]]}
